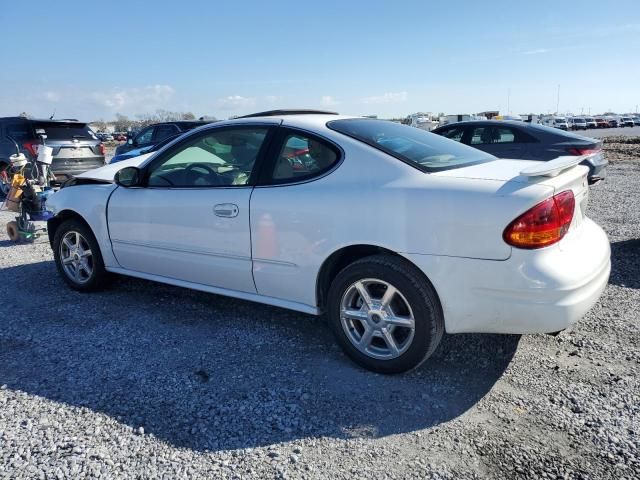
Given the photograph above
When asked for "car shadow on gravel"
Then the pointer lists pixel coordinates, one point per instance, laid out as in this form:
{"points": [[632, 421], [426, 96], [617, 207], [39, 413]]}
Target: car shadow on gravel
{"points": [[206, 372], [625, 263]]}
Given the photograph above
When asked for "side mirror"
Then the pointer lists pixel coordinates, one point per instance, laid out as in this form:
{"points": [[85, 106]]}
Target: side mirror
{"points": [[129, 177]]}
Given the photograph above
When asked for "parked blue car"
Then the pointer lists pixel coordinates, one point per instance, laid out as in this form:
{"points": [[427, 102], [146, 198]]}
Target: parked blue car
{"points": [[154, 134], [142, 150]]}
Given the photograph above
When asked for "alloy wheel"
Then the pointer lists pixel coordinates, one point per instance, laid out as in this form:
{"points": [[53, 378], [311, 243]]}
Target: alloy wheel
{"points": [[377, 319], [76, 257]]}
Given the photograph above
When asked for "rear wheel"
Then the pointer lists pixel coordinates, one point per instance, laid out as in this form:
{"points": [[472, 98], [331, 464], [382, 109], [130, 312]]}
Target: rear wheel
{"points": [[385, 314], [12, 231], [78, 256]]}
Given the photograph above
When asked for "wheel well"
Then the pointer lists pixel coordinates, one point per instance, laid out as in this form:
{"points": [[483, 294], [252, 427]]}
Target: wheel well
{"points": [[339, 260], [55, 222]]}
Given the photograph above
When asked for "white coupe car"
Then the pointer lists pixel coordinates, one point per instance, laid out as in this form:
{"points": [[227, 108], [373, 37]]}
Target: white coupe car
{"points": [[395, 233]]}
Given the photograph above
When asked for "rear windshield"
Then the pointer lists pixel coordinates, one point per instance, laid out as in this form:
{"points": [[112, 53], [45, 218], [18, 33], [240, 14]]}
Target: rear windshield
{"points": [[64, 130], [426, 151], [578, 120]]}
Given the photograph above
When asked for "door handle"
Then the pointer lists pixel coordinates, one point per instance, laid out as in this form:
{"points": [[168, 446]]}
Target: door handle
{"points": [[227, 210]]}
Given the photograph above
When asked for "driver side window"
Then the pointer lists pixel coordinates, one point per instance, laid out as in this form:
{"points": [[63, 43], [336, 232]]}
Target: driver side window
{"points": [[221, 158], [144, 136]]}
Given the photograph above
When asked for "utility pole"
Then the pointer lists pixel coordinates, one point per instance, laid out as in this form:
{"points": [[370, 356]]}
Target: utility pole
{"points": [[558, 102], [509, 101]]}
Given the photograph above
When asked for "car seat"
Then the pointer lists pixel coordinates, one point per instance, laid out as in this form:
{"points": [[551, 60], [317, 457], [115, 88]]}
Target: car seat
{"points": [[283, 169], [486, 136]]}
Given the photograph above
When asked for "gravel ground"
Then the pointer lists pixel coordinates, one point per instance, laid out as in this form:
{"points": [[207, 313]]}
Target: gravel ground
{"points": [[609, 132], [146, 380]]}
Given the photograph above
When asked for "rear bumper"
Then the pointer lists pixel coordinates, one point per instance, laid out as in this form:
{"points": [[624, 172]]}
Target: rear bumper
{"points": [[597, 167], [534, 291], [64, 169]]}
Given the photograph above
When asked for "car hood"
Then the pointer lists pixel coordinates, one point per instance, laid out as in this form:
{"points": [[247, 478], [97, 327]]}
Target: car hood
{"points": [[107, 172]]}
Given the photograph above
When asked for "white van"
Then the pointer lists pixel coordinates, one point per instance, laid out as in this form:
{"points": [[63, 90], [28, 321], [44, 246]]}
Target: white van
{"points": [[556, 122]]}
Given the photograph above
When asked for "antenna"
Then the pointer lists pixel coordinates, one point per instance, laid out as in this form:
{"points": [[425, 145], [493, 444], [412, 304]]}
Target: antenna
{"points": [[53, 114]]}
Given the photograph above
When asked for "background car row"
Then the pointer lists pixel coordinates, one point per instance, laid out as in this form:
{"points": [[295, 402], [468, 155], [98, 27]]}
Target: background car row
{"points": [[110, 137], [77, 148], [585, 123]]}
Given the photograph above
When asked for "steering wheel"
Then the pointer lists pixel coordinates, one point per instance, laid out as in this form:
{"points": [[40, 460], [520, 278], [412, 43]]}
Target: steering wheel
{"points": [[210, 171]]}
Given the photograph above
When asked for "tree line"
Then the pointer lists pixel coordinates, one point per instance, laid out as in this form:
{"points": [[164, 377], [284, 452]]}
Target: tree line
{"points": [[123, 123]]}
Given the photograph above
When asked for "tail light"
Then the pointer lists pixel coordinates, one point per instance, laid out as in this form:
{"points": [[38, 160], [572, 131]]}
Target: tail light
{"points": [[32, 148], [542, 225], [584, 151], [102, 150]]}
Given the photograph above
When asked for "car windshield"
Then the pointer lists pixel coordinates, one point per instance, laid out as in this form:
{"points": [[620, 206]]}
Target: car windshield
{"points": [[578, 120], [424, 150]]}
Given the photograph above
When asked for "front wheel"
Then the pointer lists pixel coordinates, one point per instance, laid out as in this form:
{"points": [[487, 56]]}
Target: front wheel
{"points": [[78, 256], [385, 314]]}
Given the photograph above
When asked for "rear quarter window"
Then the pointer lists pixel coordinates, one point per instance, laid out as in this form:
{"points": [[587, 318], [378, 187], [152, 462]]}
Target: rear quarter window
{"points": [[302, 158], [18, 131], [421, 149]]}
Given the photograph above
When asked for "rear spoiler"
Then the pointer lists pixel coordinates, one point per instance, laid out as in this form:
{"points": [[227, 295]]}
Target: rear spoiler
{"points": [[553, 167]]}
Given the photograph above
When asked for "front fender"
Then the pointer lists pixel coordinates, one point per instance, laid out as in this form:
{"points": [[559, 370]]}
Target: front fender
{"points": [[89, 202]]}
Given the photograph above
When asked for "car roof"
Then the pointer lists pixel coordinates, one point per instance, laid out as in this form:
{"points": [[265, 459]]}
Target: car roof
{"points": [[56, 120], [281, 112], [484, 122], [309, 120]]}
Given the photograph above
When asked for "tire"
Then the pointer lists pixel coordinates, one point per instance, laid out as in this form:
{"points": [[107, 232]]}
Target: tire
{"points": [[414, 298], [92, 275], [12, 231]]}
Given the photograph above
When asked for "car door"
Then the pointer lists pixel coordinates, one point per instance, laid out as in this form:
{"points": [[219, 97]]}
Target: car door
{"points": [[190, 220], [285, 220], [501, 141]]}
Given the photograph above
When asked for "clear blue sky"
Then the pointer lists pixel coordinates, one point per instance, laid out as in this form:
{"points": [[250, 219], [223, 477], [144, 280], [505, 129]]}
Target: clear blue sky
{"points": [[92, 59]]}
